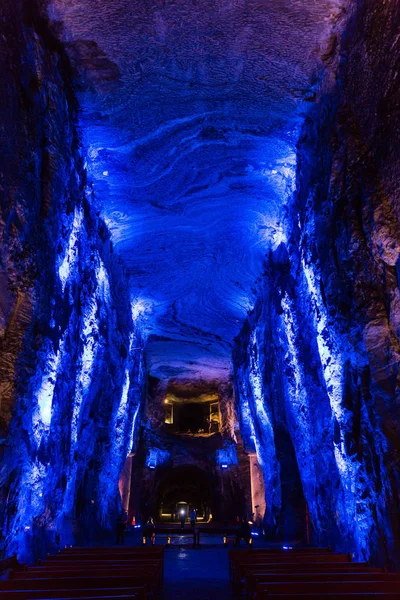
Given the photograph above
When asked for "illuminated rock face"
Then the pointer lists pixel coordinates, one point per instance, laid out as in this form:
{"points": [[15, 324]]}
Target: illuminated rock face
{"points": [[322, 345], [219, 137], [190, 118], [71, 358]]}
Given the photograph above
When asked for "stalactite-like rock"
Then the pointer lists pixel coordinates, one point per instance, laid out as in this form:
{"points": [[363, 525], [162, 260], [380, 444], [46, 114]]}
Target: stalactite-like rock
{"points": [[326, 323], [71, 363]]}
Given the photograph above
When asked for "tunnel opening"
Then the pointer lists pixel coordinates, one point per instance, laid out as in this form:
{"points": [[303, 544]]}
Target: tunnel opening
{"points": [[189, 455], [184, 488]]}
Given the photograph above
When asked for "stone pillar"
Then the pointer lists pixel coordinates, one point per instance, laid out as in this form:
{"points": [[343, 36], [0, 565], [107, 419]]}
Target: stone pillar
{"points": [[257, 487], [124, 483]]}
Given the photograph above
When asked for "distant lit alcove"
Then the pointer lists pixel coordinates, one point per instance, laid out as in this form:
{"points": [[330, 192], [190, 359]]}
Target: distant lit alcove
{"points": [[198, 415], [182, 488]]}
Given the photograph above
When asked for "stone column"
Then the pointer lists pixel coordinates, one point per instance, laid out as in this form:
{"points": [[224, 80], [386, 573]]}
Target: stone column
{"points": [[257, 487], [124, 483]]}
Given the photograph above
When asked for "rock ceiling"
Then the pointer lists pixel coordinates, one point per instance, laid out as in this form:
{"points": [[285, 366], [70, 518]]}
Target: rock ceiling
{"points": [[190, 111]]}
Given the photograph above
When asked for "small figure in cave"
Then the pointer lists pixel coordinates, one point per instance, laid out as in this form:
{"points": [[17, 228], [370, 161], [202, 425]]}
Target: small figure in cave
{"points": [[122, 521], [193, 517], [150, 530], [91, 510], [182, 516], [258, 518], [196, 535], [243, 532]]}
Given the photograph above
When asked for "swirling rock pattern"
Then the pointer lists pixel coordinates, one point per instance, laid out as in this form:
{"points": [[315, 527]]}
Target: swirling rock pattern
{"points": [[190, 114]]}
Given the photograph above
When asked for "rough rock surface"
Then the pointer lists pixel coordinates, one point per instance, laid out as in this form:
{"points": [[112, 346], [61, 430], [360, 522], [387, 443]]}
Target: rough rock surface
{"points": [[191, 137], [319, 356], [190, 116], [71, 365]]}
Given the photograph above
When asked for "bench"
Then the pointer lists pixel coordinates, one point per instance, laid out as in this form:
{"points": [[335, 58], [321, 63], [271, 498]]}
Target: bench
{"points": [[130, 573], [322, 588], [82, 581], [254, 580], [338, 596], [239, 558], [303, 562], [65, 596], [138, 592]]}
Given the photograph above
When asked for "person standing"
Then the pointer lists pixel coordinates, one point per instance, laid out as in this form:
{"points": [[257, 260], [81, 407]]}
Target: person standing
{"points": [[182, 517], [243, 532], [122, 521], [150, 531], [193, 518]]}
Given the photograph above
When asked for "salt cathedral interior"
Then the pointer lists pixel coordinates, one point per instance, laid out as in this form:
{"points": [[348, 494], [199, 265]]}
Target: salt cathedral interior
{"points": [[199, 286]]}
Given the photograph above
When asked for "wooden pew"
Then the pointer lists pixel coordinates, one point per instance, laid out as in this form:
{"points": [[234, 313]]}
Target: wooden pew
{"points": [[239, 558], [111, 556], [139, 592], [80, 581], [87, 563], [133, 573], [254, 580], [124, 597], [251, 554], [323, 588], [152, 574], [239, 568], [337, 596], [108, 566], [65, 596], [143, 550], [308, 568]]}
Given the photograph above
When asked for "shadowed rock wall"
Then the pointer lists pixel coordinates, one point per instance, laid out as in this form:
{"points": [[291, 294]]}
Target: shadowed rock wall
{"points": [[71, 365], [322, 345]]}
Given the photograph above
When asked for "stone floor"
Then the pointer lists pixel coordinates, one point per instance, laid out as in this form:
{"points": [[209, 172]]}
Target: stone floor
{"points": [[196, 574]]}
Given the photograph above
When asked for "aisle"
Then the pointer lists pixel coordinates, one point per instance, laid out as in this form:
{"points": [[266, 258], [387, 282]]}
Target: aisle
{"points": [[196, 574]]}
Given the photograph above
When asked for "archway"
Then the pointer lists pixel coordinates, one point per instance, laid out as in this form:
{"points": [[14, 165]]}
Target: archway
{"points": [[184, 487]]}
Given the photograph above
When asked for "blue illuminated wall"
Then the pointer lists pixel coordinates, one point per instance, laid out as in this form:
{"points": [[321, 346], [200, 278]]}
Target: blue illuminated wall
{"points": [[318, 357], [72, 367]]}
